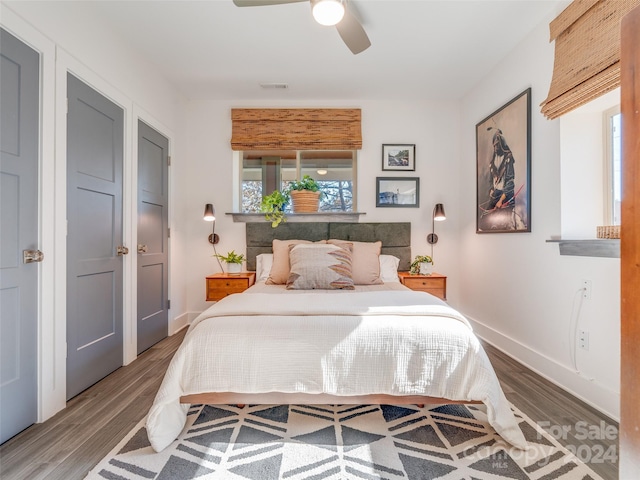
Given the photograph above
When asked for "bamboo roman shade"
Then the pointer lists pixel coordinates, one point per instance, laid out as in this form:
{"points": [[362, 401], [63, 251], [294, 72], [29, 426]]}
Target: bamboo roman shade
{"points": [[587, 53], [296, 129]]}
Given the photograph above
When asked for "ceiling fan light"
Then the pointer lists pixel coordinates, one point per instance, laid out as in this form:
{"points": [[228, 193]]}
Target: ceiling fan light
{"points": [[328, 12]]}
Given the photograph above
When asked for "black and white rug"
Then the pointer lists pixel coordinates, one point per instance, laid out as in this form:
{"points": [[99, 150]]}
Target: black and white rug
{"points": [[318, 442]]}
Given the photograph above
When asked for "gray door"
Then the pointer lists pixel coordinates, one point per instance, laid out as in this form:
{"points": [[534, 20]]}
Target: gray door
{"points": [[94, 236], [19, 120], [153, 237]]}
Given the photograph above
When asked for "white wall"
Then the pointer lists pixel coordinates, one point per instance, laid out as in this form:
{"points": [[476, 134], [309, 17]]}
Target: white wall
{"points": [[432, 127], [582, 146], [521, 294]]}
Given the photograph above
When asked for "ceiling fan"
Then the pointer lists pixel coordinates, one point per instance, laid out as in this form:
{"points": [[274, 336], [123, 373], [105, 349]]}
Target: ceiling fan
{"points": [[327, 12]]}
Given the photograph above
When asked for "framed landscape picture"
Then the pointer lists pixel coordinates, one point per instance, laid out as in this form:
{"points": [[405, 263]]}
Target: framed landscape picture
{"points": [[503, 166], [399, 157], [397, 192]]}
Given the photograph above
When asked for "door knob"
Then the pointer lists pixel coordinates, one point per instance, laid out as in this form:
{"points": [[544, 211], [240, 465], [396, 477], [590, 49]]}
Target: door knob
{"points": [[31, 256], [121, 250], [142, 249]]}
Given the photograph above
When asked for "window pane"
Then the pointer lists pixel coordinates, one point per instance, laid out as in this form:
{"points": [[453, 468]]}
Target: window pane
{"points": [[251, 196], [337, 196], [261, 176], [334, 171], [265, 171], [616, 166]]}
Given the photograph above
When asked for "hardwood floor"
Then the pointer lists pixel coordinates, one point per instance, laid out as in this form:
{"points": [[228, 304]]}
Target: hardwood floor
{"points": [[71, 443], [585, 431], [68, 445]]}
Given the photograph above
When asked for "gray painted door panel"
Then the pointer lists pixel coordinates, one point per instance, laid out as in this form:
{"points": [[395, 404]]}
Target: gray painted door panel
{"points": [[19, 132], [94, 216], [153, 186]]}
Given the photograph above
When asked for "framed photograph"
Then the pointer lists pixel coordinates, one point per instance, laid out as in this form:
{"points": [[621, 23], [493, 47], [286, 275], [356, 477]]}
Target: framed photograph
{"points": [[399, 157], [397, 192], [503, 166]]}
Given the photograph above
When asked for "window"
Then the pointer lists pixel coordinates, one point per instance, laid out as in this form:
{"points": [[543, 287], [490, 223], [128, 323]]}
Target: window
{"points": [[266, 171], [613, 167]]}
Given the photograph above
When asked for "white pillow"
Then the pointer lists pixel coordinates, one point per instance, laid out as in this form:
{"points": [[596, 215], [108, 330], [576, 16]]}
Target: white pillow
{"points": [[263, 266], [389, 268]]}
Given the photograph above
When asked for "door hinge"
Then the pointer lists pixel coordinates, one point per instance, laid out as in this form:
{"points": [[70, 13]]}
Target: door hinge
{"points": [[169, 160], [168, 233], [67, 106], [168, 304]]}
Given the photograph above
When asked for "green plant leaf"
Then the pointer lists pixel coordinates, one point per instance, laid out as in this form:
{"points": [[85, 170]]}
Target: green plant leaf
{"points": [[231, 257]]}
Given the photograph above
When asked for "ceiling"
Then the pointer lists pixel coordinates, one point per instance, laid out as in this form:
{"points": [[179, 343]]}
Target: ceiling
{"points": [[432, 49]]}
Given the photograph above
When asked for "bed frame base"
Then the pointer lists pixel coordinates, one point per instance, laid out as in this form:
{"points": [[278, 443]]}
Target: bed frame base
{"points": [[277, 398]]}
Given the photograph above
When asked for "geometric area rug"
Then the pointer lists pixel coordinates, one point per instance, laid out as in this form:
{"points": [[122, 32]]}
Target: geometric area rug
{"points": [[327, 442]]}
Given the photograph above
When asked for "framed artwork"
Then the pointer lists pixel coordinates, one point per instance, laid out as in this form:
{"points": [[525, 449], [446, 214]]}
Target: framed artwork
{"points": [[399, 157], [397, 192], [503, 166]]}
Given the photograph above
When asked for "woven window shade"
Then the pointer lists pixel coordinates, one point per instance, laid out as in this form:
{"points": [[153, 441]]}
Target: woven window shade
{"points": [[587, 53], [296, 129]]}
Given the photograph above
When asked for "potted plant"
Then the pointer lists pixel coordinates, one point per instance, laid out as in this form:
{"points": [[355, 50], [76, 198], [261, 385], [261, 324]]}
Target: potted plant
{"points": [[273, 207], [422, 265], [233, 260], [305, 195]]}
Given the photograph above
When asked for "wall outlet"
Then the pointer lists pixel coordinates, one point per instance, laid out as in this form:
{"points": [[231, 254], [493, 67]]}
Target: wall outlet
{"points": [[583, 339], [586, 289]]}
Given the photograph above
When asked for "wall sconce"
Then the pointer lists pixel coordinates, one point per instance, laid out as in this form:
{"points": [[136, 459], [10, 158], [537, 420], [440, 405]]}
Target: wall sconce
{"points": [[210, 216], [438, 216]]}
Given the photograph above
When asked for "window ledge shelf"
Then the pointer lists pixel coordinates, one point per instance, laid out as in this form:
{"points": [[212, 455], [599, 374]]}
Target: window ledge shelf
{"points": [[595, 247], [344, 217]]}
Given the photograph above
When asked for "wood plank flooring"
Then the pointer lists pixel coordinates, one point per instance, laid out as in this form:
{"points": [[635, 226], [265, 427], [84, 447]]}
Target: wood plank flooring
{"points": [[68, 445]]}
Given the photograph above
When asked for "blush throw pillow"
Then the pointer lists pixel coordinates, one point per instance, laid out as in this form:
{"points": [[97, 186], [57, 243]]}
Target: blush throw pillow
{"points": [[280, 266], [366, 261], [323, 267]]}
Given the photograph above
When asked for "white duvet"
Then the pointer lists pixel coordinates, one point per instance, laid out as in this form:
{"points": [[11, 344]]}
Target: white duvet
{"points": [[351, 343]]}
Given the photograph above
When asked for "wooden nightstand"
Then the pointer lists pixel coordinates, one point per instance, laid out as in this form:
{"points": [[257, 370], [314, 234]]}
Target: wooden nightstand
{"points": [[220, 285], [435, 284]]}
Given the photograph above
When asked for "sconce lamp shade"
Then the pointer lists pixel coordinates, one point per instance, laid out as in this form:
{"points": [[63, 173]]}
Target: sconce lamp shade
{"points": [[209, 213], [438, 215], [327, 12], [210, 216]]}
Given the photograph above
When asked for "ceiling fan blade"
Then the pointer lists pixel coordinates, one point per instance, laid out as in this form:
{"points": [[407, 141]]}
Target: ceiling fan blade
{"points": [[262, 3], [352, 33]]}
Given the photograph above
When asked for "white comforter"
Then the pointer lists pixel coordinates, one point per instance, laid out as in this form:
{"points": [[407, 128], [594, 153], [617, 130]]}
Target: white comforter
{"points": [[352, 343]]}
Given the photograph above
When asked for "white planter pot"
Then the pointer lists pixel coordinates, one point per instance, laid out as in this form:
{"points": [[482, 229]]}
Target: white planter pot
{"points": [[234, 268], [426, 268]]}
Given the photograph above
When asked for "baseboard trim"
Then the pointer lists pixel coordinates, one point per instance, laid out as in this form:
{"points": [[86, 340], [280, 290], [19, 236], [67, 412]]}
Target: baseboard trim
{"points": [[591, 392], [182, 321]]}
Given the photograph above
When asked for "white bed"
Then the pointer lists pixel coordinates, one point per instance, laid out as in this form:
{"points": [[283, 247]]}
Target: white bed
{"points": [[375, 344]]}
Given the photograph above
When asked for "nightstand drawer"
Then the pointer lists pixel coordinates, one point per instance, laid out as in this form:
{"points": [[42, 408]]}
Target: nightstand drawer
{"points": [[423, 283], [221, 285], [435, 284]]}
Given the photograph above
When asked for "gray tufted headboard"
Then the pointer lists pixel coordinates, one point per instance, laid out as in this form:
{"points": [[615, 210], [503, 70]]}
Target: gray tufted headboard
{"points": [[395, 237]]}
